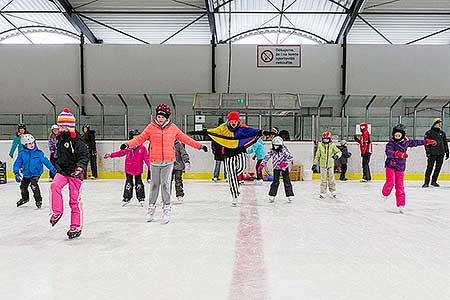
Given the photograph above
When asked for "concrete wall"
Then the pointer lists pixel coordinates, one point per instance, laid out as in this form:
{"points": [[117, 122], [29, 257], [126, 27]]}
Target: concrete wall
{"points": [[303, 154]]}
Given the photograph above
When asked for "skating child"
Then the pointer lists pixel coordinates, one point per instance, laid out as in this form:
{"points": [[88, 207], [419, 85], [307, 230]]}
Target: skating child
{"points": [[30, 160], [52, 147], [326, 153], [395, 163], [281, 159], [162, 134], [134, 160], [71, 163], [343, 159], [21, 130], [234, 137], [181, 164], [259, 153]]}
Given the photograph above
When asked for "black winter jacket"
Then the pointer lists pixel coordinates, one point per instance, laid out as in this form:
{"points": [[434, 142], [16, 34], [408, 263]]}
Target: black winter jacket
{"points": [[345, 155], [439, 136], [89, 139], [72, 153]]}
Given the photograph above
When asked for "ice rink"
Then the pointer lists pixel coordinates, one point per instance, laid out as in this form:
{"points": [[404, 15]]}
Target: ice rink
{"points": [[353, 247]]}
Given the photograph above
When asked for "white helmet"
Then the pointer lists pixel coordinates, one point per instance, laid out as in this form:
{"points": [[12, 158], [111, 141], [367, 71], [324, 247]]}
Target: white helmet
{"points": [[277, 141], [27, 139], [54, 126]]}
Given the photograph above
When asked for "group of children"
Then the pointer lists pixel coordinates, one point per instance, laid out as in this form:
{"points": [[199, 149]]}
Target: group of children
{"points": [[167, 160]]}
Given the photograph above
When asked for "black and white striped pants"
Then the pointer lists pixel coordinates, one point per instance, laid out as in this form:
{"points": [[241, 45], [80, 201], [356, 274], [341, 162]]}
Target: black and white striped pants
{"points": [[235, 166]]}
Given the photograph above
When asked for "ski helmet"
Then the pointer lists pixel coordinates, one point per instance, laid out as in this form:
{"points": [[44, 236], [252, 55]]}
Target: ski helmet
{"points": [[277, 141], [133, 133], [163, 110], [326, 135], [21, 126], [364, 126], [343, 142], [54, 126], [27, 139], [86, 125], [399, 128]]}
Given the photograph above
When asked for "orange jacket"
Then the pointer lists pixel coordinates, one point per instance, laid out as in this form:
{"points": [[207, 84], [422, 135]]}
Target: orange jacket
{"points": [[162, 141]]}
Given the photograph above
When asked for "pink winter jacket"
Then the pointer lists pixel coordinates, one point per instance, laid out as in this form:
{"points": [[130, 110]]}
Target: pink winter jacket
{"points": [[136, 156]]}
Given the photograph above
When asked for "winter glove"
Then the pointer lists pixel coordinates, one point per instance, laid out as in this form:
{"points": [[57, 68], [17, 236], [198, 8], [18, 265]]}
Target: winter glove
{"points": [[314, 168], [446, 156], [430, 142], [260, 168], [18, 177], [107, 155], [399, 154], [204, 148], [187, 166], [78, 173], [123, 146], [283, 165], [335, 157]]}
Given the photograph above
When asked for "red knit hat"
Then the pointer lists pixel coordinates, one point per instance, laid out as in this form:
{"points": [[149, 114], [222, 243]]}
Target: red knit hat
{"points": [[233, 116]]}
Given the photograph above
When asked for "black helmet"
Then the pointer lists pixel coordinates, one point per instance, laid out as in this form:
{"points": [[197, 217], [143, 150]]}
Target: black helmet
{"points": [[86, 125], [133, 133], [21, 126], [399, 128]]}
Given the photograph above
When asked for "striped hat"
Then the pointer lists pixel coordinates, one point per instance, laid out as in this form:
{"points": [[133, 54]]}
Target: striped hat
{"points": [[66, 118]]}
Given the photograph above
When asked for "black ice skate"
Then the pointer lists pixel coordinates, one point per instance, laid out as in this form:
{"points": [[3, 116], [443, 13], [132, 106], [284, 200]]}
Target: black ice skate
{"points": [[55, 218], [125, 202], [73, 232], [38, 204], [21, 202]]}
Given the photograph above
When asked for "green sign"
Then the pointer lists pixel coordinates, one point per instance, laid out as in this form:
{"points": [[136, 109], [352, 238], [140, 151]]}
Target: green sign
{"points": [[240, 101]]}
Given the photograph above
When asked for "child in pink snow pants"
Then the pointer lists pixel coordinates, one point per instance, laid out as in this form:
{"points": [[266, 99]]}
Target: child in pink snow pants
{"points": [[71, 163], [396, 163]]}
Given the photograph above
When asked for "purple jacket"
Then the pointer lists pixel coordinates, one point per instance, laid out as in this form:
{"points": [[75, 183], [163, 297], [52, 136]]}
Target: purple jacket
{"points": [[398, 163], [52, 142], [278, 157], [135, 157]]}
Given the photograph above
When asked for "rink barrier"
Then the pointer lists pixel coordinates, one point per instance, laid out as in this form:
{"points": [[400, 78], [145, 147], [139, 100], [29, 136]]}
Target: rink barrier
{"points": [[202, 164]]}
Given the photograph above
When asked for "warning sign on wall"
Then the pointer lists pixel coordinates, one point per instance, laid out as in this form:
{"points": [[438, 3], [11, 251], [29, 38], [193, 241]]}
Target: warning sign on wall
{"points": [[278, 56]]}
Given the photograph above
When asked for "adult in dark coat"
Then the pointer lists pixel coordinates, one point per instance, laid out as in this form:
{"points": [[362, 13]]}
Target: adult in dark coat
{"points": [[435, 153], [89, 139]]}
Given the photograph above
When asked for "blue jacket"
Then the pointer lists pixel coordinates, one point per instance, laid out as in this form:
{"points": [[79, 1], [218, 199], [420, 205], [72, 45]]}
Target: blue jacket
{"points": [[31, 162], [258, 149], [15, 144]]}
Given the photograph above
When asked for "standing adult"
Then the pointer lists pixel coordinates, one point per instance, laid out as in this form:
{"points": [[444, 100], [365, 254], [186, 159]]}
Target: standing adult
{"points": [[435, 153], [365, 146], [219, 157], [89, 139], [21, 130]]}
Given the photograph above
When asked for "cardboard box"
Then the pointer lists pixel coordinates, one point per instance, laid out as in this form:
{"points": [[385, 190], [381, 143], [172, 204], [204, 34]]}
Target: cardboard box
{"points": [[3, 173], [296, 173]]}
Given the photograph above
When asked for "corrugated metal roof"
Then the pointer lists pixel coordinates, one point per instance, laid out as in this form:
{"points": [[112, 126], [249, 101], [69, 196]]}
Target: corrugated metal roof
{"points": [[32, 21], [138, 5]]}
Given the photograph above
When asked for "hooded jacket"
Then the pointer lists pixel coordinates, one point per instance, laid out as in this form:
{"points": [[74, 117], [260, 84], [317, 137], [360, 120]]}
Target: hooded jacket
{"points": [[258, 149], [71, 153], [182, 157], [399, 163], [365, 142], [135, 157], [325, 153], [31, 162]]}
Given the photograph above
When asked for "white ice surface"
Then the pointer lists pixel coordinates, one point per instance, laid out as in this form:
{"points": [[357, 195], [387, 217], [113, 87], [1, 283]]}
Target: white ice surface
{"points": [[353, 247]]}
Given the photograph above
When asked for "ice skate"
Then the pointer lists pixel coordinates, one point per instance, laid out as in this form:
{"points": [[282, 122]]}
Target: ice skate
{"points": [[271, 199], [435, 184], [73, 232], [363, 180], [50, 179], [343, 179], [401, 209], [234, 202], [333, 194], [55, 218], [38, 204], [322, 195], [180, 199], [91, 177], [289, 199], [385, 198], [21, 202], [425, 185], [166, 214], [215, 179], [141, 202], [151, 212], [125, 202]]}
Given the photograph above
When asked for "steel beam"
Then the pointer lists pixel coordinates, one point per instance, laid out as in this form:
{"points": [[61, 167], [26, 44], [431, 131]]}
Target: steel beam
{"points": [[72, 16], [353, 12]]}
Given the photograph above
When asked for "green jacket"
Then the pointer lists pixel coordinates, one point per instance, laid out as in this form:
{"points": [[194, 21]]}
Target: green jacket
{"points": [[325, 153]]}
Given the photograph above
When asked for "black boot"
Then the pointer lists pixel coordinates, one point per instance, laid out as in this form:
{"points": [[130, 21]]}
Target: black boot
{"points": [[434, 183], [425, 185], [38, 203], [21, 202]]}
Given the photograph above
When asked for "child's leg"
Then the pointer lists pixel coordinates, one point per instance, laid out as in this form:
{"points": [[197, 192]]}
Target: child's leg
{"points": [[165, 177], [258, 174], [400, 188], [390, 181], [139, 186], [343, 171], [331, 180], [24, 188], [128, 189], [275, 183], [230, 167], [35, 189], [179, 183], [287, 183], [76, 206], [155, 184], [323, 180], [56, 197]]}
